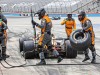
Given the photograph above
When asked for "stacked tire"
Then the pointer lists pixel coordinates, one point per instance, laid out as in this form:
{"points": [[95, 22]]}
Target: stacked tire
{"points": [[80, 40], [28, 49], [21, 40]]}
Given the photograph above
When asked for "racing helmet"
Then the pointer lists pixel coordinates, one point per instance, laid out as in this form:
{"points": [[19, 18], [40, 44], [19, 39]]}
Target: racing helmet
{"points": [[82, 14], [41, 13]]}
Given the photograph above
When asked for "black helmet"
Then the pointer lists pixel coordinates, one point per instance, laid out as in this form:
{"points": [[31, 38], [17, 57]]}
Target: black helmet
{"points": [[69, 15], [41, 13], [83, 14]]}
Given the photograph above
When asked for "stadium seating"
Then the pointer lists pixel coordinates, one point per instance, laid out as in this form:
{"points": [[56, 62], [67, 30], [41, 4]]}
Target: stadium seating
{"points": [[51, 6]]}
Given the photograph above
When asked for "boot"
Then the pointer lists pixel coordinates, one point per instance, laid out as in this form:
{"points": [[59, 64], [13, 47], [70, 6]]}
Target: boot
{"points": [[59, 59], [4, 55], [42, 62], [86, 56], [0, 55], [55, 53], [0, 58], [94, 57], [93, 60]]}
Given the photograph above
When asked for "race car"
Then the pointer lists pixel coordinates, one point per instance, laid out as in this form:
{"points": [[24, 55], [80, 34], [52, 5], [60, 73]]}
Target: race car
{"points": [[28, 48], [67, 47], [55, 18]]}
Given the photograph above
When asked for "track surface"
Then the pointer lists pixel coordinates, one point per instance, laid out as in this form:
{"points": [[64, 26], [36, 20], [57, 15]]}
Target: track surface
{"points": [[22, 26]]}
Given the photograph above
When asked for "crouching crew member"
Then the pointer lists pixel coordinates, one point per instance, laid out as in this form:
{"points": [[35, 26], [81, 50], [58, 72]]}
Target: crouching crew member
{"points": [[70, 24], [87, 27], [46, 37]]}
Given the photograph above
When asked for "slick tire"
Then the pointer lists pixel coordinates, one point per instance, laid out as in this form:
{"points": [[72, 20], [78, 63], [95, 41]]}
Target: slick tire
{"points": [[21, 40], [28, 49], [70, 52], [79, 40]]}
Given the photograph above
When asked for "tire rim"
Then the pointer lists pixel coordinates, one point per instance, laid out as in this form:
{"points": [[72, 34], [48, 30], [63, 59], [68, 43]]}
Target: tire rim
{"points": [[79, 36]]}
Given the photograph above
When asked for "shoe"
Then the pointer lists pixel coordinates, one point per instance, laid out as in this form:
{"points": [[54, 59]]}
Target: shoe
{"points": [[42, 62], [94, 57], [93, 61], [5, 56], [0, 58], [59, 59], [85, 59]]}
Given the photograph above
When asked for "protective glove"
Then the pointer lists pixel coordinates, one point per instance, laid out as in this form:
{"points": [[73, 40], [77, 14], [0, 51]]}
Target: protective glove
{"points": [[33, 22], [74, 29]]}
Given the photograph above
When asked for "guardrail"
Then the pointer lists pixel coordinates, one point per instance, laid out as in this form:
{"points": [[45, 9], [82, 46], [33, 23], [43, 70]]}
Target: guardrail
{"points": [[52, 15]]}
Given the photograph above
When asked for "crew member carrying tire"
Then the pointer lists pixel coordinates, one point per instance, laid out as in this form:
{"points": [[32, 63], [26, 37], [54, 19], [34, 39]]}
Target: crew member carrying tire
{"points": [[70, 24], [3, 39], [45, 38], [87, 27]]}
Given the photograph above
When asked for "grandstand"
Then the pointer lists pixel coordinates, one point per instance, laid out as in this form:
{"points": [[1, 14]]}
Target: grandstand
{"points": [[51, 6]]}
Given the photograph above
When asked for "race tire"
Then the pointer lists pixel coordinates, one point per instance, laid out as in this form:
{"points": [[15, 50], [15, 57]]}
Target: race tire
{"points": [[79, 40], [21, 40], [28, 49], [70, 52]]}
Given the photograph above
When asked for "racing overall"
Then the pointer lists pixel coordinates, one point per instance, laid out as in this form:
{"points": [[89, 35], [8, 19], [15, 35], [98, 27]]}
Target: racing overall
{"points": [[70, 25], [87, 26], [46, 38], [3, 39]]}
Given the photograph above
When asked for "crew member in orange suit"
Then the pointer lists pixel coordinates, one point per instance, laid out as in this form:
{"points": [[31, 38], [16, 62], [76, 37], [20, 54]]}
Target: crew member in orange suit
{"points": [[70, 24]]}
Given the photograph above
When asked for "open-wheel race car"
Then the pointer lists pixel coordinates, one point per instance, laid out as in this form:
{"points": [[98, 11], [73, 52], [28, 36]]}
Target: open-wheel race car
{"points": [[68, 48], [56, 18]]}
